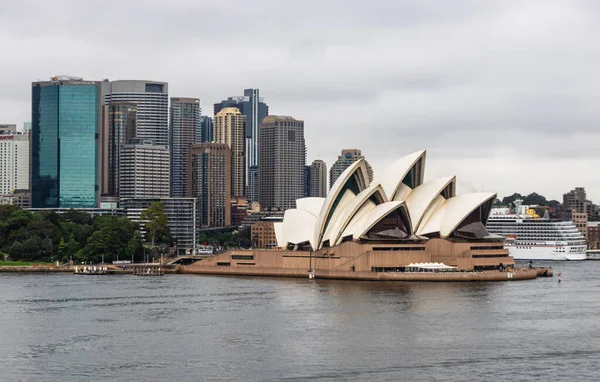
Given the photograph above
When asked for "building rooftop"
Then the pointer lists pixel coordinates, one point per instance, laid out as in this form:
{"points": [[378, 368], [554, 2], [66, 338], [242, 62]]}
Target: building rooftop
{"points": [[272, 118]]}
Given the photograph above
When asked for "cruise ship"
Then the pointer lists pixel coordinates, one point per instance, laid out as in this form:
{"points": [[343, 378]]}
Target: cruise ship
{"points": [[531, 237]]}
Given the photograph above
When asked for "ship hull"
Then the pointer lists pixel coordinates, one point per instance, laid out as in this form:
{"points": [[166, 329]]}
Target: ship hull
{"points": [[545, 254]]}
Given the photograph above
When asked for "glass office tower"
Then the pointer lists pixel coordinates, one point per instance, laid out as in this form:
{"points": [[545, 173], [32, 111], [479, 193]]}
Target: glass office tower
{"points": [[64, 142]]}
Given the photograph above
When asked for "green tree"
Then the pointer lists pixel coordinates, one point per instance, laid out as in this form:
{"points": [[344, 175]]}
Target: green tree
{"points": [[155, 220], [535, 198], [507, 200], [62, 247]]}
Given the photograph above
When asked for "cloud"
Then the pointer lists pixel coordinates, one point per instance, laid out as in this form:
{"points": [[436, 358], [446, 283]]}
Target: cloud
{"points": [[501, 92]]}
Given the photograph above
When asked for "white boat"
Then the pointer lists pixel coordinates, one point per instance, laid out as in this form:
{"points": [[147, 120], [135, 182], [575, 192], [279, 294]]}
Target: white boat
{"points": [[530, 237]]}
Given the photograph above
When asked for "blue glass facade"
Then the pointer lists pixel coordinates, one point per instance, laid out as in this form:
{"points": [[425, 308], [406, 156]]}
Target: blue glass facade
{"points": [[64, 145]]}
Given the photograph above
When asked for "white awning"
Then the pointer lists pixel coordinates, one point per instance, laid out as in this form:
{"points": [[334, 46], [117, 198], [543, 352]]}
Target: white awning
{"points": [[438, 266]]}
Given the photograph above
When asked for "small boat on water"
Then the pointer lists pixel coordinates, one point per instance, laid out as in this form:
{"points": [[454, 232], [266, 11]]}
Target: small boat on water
{"points": [[91, 270]]}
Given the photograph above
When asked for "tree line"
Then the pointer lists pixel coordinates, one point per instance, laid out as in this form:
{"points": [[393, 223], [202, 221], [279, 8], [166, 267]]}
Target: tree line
{"points": [[530, 199], [78, 236]]}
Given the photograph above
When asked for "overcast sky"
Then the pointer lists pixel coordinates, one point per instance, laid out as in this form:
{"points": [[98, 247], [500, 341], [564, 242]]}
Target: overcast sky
{"points": [[503, 94]]}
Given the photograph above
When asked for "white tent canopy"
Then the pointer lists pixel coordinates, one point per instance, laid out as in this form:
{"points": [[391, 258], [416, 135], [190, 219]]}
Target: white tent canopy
{"points": [[430, 267]]}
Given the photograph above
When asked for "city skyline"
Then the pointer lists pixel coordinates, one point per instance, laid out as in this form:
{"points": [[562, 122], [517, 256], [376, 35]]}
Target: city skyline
{"points": [[465, 80]]}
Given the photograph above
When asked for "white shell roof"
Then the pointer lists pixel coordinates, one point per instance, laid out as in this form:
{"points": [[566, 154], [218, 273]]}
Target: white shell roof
{"points": [[427, 209], [378, 213], [278, 228], [358, 166], [392, 177], [431, 220], [423, 196], [312, 205], [298, 226], [356, 221], [456, 209], [337, 226]]}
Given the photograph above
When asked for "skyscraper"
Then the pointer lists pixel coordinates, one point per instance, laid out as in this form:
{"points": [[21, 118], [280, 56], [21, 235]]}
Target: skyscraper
{"points": [[144, 170], [306, 182], [209, 181], [152, 104], [120, 129], [14, 162], [65, 143], [348, 157], [255, 110], [185, 127], [318, 179], [229, 126], [282, 161], [206, 130]]}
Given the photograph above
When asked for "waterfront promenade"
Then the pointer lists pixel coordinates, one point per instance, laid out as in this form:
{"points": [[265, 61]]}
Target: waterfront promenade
{"points": [[199, 269]]}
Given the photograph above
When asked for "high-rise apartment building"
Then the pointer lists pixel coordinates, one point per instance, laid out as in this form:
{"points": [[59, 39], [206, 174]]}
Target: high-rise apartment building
{"points": [[575, 200], [348, 157], [185, 127], [14, 162], [152, 106], [229, 126], [318, 179], [65, 140], [209, 181], [120, 128], [255, 109], [144, 170], [282, 161]]}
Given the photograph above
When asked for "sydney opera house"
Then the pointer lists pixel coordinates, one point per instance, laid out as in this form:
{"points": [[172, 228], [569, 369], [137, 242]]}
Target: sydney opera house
{"points": [[390, 225]]}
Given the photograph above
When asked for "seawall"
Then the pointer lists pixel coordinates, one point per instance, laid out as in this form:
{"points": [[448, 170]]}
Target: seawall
{"points": [[524, 274]]}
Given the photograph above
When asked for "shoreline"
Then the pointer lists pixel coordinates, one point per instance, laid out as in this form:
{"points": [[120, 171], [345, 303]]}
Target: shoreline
{"points": [[516, 275]]}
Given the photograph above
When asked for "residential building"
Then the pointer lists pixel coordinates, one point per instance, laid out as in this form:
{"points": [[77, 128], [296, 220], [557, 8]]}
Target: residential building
{"points": [[239, 210], [14, 162], [348, 157], [575, 200], [152, 106], [65, 141], [282, 161], [263, 232], [181, 218], [229, 126], [120, 128], [255, 109], [185, 127], [580, 219], [21, 198], [209, 181], [318, 179], [593, 235], [144, 170]]}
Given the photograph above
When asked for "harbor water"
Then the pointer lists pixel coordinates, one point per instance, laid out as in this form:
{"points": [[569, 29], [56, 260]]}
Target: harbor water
{"points": [[65, 327]]}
